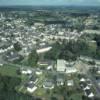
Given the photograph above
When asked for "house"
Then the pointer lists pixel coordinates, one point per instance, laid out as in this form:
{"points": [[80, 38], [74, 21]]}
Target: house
{"points": [[82, 80], [48, 84], [43, 63], [38, 72], [89, 94], [38, 24], [97, 62], [89, 82], [70, 83], [26, 71], [31, 87], [71, 70], [98, 72], [60, 81], [85, 58], [61, 66], [33, 79], [1, 64], [83, 85], [98, 82], [50, 67], [87, 88], [12, 56]]}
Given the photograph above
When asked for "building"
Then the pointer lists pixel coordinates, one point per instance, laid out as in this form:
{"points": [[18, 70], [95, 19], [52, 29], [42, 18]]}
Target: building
{"points": [[71, 70], [43, 50], [82, 80], [38, 72], [12, 56], [48, 84], [60, 81], [31, 87], [61, 66], [89, 94], [33, 79], [26, 71], [70, 83], [38, 24]]}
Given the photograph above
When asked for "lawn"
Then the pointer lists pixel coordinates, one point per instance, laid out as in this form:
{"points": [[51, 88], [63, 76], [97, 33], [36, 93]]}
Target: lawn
{"points": [[40, 92], [7, 70], [76, 96]]}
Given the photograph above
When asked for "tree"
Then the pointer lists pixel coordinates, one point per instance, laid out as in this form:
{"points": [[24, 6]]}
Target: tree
{"points": [[8, 83], [17, 46], [33, 58], [97, 39], [54, 52], [54, 98], [7, 89], [98, 53]]}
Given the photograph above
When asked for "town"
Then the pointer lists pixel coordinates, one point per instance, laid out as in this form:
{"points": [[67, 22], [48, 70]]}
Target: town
{"points": [[50, 55]]}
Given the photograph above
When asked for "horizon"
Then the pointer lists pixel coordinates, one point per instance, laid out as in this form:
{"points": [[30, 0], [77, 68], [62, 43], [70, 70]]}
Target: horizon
{"points": [[49, 6]]}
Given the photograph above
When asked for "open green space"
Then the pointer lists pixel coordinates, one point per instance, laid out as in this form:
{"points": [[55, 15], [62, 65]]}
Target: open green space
{"points": [[76, 96], [40, 92], [7, 70]]}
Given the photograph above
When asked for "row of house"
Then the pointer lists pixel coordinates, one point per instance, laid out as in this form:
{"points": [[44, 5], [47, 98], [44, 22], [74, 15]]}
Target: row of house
{"points": [[86, 86]]}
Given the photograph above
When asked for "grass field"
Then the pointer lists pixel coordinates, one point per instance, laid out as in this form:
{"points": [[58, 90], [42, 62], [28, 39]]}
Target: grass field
{"points": [[7, 70], [76, 96]]}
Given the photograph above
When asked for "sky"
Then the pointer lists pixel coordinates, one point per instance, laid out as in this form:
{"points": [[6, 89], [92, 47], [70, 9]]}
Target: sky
{"points": [[50, 2]]}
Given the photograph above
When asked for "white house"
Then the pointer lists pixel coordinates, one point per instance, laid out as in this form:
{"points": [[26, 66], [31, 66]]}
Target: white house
{"points": [[48, 84], [87, 88], [28, 71], [82, 80], [31, 88], [70, 83]]}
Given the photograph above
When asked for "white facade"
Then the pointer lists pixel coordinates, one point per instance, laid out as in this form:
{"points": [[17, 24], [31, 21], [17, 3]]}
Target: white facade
{"points": [[70, 83], [43, 50], [61, 67], [70, 70], [31, 90], [26, 71]]}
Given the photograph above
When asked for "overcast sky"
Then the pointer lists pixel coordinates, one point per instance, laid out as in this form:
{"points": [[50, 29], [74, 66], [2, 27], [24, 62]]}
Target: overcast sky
{"points": [[49, 2]]}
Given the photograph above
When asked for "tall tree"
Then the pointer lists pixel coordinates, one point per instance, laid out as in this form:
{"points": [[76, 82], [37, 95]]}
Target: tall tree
{"points": [[33, 58]]}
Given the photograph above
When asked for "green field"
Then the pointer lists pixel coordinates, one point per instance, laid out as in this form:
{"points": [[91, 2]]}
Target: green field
{"points": [[76, 96], [7, 70]]}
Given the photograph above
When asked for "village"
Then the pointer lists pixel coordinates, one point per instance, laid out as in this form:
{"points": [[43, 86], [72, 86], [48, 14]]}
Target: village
{"points": [[60, 78]]}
